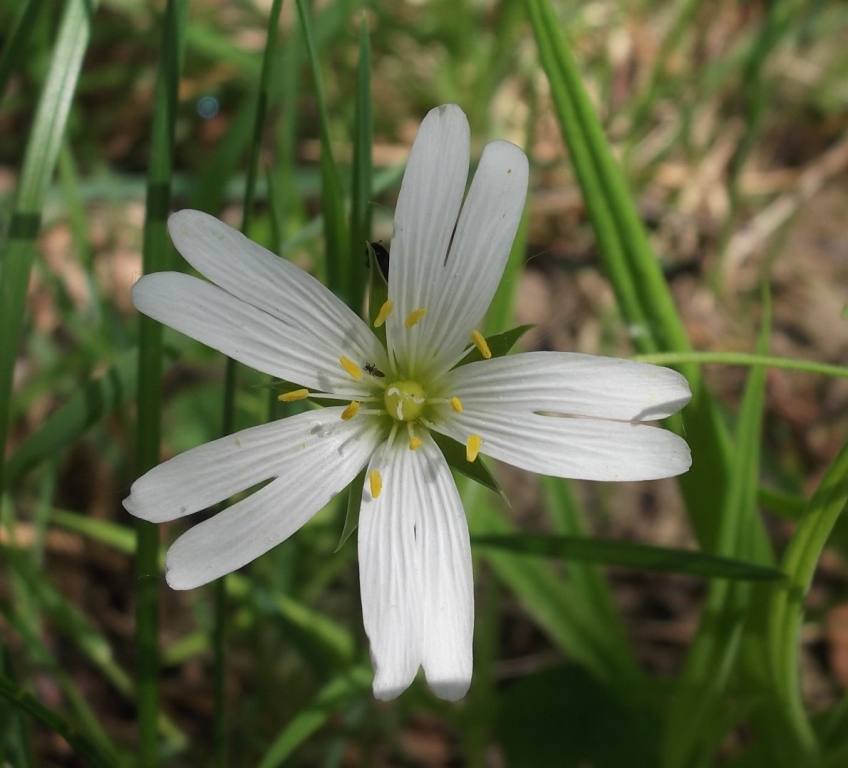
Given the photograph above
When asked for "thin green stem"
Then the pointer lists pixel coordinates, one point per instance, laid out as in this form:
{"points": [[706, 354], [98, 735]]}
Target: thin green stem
{"points": [[742, 358], [156, 254]]}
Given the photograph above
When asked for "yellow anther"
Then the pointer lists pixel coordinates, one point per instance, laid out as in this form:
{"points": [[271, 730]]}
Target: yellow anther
{"points": [[415, 317], [375, 480], [480, 342], [351, 411], [415, 444], [352, 368], [290, 397], [472, 447], [456, 404], [384, 313]]}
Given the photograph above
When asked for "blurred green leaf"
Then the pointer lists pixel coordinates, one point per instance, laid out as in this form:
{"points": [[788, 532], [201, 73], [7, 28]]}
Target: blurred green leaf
{"points": [[43, 146], [564, 717], [340, 692]]}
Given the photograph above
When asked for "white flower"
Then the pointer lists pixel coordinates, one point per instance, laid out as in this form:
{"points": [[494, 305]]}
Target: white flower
{"points": [[562, 414]]}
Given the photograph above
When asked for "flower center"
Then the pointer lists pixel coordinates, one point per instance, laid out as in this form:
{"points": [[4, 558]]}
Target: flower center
{"points": [[404, 400]]}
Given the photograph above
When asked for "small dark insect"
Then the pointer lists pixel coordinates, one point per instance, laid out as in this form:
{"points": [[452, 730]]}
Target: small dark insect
{"points": [[382, 256], [374, 370]]}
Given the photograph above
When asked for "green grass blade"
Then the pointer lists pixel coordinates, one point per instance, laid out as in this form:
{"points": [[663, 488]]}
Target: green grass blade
{"points": [[156, 255], [341, 691], [741, 358], [637, 279], [585, 579], [786, 614], [87, 406], [629, 555], [15, 748], [569, 622], [699, 698], [362, 174], [39, 162], [83, 746], [15, 44], [336, 234]]}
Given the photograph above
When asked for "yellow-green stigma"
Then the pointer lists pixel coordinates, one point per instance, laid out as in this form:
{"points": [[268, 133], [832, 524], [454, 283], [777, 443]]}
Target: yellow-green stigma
{"points": [[404, 400]]}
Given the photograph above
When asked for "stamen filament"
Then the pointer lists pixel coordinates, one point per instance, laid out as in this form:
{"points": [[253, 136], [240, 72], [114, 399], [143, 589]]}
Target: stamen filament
{"points": [[375, 481], [295, 394], [415, 317], [472, 447], [351, 411], [456, 404], [384, 313], [480, 342], [352, 368]]}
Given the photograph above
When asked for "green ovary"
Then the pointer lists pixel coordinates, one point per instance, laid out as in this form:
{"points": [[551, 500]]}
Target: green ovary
{"points": [[404, 400]]}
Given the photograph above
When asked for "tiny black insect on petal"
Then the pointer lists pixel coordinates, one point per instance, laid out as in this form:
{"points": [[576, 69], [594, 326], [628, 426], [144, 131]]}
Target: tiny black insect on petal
{"points": [[382, 258], [374, 371]]}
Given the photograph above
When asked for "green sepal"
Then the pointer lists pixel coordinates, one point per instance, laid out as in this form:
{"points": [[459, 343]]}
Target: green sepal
{"points": [[354, 502], [631, 555], [476, 470], [378, 292], [499, 344]]}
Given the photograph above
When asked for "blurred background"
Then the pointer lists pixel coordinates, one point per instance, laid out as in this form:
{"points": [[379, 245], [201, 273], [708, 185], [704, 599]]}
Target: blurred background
{"points": [[730, 123]]}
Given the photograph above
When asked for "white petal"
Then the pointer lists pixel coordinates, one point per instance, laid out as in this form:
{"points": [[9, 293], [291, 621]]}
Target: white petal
{"points": [[318, 464], [213, 472], [484, 236], [255, 275], [415, 574], [427, 209], [214, 317], [448, 582], [570, 383], [578, 448]]}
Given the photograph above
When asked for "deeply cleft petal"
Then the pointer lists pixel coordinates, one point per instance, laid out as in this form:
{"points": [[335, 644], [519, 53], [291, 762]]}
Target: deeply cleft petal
{"points": [[312, 457], [484, 235], [277, 287], [572, 384], [427, 210], [415, 574], [577, 448], [215, 317]]}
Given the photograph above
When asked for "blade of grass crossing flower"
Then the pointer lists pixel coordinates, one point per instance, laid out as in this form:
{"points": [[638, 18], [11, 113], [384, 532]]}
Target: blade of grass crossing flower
{"points": [[156, 254], [336, 235], [39, 163], [361, 184], [699, 698], [643, 296]]}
